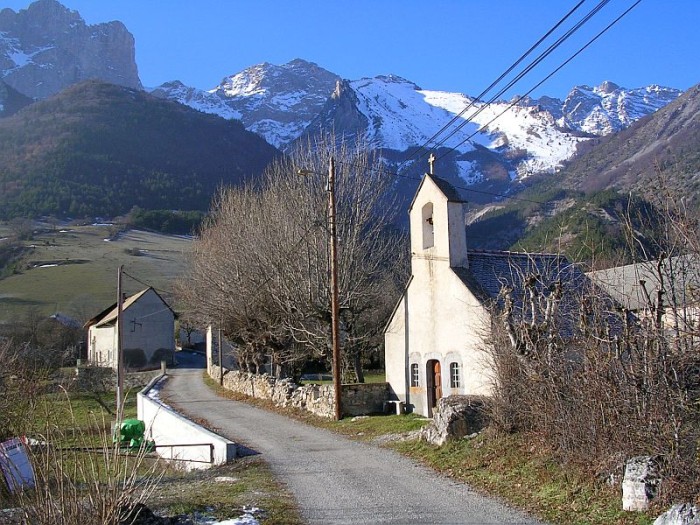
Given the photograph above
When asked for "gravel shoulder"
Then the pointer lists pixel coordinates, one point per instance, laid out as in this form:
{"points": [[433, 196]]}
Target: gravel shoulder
{"points": [[336, 480]]}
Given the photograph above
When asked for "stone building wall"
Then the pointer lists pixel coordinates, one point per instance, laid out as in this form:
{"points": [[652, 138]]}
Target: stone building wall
{"points": [[357, 399]]}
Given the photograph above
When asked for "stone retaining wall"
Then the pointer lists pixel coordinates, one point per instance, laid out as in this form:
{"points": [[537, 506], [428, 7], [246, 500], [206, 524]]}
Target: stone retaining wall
{"points": [[364, 398], [357, 399]]}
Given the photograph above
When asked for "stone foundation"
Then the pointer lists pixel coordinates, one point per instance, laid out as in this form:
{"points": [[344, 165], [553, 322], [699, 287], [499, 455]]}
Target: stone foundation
{"points": [[357, 399]]}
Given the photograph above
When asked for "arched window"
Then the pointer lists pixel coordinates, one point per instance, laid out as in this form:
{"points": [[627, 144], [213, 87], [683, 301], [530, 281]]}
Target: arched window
{"points": [[428, 229], [414, 374], [455, 380]]}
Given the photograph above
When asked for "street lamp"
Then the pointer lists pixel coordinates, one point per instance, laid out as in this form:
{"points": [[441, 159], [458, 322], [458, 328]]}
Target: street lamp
{"points": [[335, 335]]}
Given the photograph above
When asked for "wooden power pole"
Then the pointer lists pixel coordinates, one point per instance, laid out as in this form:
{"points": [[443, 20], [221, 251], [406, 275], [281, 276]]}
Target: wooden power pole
{"points": [[335, 309], [120, 354]]}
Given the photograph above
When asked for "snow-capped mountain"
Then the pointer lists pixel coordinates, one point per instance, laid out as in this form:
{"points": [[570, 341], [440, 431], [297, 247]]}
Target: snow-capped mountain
{"points": [[276, 102], [47, 47], [609, 108], [398, 115], [284, 103], [203, 101]]}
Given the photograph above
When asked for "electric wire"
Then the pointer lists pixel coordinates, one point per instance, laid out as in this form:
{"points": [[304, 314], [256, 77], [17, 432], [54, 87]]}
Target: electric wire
{"points": [[383, 170], [492, 85], [518, 99], [527, 70], [159, 290], [563, 64]]}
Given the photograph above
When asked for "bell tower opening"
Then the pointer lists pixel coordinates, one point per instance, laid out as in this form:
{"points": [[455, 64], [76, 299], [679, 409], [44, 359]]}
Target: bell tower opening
{"points": [[428, 226]]}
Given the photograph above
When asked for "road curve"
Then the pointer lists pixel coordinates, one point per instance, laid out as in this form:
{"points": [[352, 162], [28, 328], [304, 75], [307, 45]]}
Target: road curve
{"points": [[336, 480]]}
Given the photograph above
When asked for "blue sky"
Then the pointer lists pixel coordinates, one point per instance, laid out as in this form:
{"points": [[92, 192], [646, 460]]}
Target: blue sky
{"points": [[451, 45]]}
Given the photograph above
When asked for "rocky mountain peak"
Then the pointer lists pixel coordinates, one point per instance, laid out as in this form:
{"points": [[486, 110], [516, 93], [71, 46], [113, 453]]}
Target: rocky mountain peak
{"points": [[47, 47], [277, 102], [607, 87], [609, 108]]}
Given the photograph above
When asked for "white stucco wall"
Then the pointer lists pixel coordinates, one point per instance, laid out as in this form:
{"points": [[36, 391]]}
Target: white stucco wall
{"points": [[438, 317], [395, 352], [149, 325], [102, 343]]}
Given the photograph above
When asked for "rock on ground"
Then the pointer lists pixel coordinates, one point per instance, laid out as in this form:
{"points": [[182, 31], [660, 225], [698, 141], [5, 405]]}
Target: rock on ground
{"points": [[455, 418]]}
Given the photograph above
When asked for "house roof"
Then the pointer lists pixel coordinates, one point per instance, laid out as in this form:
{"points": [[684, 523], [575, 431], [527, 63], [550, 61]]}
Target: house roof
{"points": [[489, 271], [447, 189], [679, 276], [109, 315]]}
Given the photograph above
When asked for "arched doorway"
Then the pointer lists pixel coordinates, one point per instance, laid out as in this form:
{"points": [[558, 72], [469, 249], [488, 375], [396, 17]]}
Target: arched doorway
{"points": [[434, 384]]}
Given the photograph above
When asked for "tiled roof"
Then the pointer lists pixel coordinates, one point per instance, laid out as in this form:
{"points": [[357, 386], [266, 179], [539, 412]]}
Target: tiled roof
{"points": [[680, 277], [445, 187], [109, 315], [448, 189], [490, 271]]}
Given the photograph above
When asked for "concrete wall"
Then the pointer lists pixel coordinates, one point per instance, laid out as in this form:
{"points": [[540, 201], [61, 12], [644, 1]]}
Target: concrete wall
{"points": [[102, 343], [167, 427], [149, 325], [357, 399]]}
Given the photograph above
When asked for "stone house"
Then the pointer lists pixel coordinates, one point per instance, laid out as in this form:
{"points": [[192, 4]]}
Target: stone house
{"points": [[434, 340], [148, 333]]}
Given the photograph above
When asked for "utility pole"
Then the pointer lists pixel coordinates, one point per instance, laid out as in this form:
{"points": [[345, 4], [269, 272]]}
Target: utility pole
{"points": [[120, 355], [221, 360], [335, 310]]}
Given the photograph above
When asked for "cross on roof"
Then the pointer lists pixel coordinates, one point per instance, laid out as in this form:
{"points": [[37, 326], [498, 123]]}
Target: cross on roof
{"points": [[431, 162]]}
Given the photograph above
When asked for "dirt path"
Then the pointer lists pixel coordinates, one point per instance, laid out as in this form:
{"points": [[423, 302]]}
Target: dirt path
{"points": [[336, 480]]}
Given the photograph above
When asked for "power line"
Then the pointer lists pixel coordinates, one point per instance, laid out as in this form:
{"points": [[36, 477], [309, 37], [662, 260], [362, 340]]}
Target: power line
{"points": [[518, 99], [567, 35], [124, 272], [383, 170], [527, 70], [493, 84]]}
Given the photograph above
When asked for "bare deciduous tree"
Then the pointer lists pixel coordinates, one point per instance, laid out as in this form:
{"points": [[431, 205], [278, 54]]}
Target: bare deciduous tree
{"points": [[260, 267]]}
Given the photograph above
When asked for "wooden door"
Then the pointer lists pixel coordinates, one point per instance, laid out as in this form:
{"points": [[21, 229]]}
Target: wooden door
{"points": [[434, 384], [437, 382]]}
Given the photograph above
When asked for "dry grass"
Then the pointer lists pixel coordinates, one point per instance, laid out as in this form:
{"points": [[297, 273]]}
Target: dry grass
{"points": [[84, 281], [516, 467]]}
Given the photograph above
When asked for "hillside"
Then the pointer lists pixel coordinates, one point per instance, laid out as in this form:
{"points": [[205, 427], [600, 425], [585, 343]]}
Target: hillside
{"points": [[11, 100], [667, 141], [98, 149], [72, 269], [580, 208], [585, 227]]}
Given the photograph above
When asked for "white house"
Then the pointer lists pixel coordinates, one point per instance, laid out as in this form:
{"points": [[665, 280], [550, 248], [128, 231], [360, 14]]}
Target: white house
{"points": [[434, 340], [148, 333]]}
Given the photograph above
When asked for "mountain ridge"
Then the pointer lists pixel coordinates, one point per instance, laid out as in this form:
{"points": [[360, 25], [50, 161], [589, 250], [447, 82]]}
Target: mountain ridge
{"points": [[393, 114], [48, 47]]}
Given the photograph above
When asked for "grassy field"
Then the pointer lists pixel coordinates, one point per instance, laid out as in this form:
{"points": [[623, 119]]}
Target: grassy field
{"points": [[225, 492], [73, 270]]}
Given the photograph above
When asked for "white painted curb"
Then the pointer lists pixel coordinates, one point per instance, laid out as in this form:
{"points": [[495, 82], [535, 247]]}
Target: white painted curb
{"points": [[172, 432]]}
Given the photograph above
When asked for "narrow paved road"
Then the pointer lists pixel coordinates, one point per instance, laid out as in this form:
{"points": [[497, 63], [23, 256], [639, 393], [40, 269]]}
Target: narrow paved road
{"points": [[336, 480]]}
